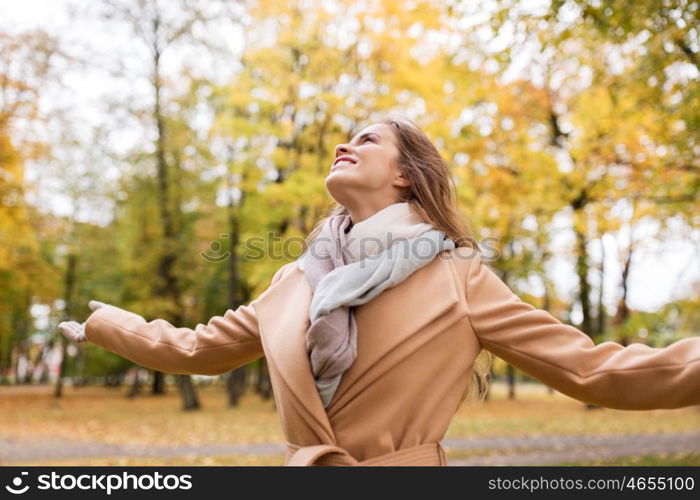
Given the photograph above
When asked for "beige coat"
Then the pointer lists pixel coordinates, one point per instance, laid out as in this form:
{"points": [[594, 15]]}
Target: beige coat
{"points": [[416, 345]]}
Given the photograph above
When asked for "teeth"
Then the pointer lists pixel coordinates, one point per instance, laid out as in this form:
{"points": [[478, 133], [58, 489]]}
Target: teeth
{"points": [[343, 161]]}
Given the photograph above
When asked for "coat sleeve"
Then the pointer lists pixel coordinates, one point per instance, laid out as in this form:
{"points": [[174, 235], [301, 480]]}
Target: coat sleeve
{"points": [[223, 344], [632, 377]]}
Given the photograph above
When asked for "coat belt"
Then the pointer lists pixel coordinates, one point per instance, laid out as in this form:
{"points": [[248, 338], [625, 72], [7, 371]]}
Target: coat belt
{"points": [[323, 454]]}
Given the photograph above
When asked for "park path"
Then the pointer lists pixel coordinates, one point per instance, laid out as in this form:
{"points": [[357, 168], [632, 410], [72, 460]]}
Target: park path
{"points": [[547, 450], [540, 450]]}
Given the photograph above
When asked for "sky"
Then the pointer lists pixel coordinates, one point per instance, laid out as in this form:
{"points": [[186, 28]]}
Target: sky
{"points": [[663, 270]]}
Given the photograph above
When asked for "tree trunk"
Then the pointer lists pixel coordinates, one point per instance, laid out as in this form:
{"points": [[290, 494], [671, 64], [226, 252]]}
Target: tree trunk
{"points": [[582, 272], [263, 384], [69, 285], [20, 327], [190, 401], [601, 318], [135, 387], [509, 254], [623, 311], [584, 295], [169, 283], [158, 383], [510, 377], [235, 381], [235, 385]]}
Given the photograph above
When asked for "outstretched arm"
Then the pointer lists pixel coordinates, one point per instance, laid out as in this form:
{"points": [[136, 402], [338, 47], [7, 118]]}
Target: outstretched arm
{"points": [[224, 343], [633, 377]]}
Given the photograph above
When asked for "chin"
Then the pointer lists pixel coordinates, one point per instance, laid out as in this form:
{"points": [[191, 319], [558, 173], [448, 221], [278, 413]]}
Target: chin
{"points": [[334, 177], [336, 184]]}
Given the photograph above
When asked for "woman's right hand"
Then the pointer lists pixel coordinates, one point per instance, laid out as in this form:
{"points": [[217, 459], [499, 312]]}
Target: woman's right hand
{"points": [[75, 331]]}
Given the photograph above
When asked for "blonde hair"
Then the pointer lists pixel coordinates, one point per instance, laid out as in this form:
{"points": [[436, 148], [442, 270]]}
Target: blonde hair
{"points": [[432, 194]]}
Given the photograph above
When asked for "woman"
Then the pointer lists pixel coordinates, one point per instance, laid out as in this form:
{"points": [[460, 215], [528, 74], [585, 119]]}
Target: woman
{"points": [[371, 350]]}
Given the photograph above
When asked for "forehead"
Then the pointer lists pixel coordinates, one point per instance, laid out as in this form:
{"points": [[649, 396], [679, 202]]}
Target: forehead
{"points": [[381, 129]]}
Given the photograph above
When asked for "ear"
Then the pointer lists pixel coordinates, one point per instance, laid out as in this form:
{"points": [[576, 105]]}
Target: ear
{"points": [[400, 180]]}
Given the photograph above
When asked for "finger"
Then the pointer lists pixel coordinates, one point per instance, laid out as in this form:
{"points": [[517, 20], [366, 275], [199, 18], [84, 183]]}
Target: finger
{"points": [[95, 304], [69, 331], [69, 325]]}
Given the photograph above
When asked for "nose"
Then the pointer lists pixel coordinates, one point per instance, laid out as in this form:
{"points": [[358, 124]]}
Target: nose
{"points": [[341, 149]]}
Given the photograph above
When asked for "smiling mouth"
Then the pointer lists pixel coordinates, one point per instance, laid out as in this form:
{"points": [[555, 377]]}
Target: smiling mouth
{"points": [[341, 163]]}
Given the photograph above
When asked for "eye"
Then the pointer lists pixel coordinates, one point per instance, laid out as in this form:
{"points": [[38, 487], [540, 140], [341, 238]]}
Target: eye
{"points": [[368, 139]]}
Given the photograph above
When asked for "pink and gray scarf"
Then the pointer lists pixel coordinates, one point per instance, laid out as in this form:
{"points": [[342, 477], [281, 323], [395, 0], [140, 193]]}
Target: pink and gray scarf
{"points": [[340, 280]]}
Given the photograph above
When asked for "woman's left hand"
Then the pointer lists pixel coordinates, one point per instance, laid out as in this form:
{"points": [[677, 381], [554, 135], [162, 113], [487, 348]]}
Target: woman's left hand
{"points": [[75, 331]]}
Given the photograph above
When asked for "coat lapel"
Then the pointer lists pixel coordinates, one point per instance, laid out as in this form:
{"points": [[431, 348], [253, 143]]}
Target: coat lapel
{"points": [[283, 318], [397, 321], [427, 297]]}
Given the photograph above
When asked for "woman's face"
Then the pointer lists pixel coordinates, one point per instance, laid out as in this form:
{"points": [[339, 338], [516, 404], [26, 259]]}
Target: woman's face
{"points": [[364, 169]]}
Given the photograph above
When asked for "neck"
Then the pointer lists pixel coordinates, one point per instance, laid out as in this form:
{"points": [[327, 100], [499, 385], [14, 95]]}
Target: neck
{"points": [[365, 211], [379, 231]]}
